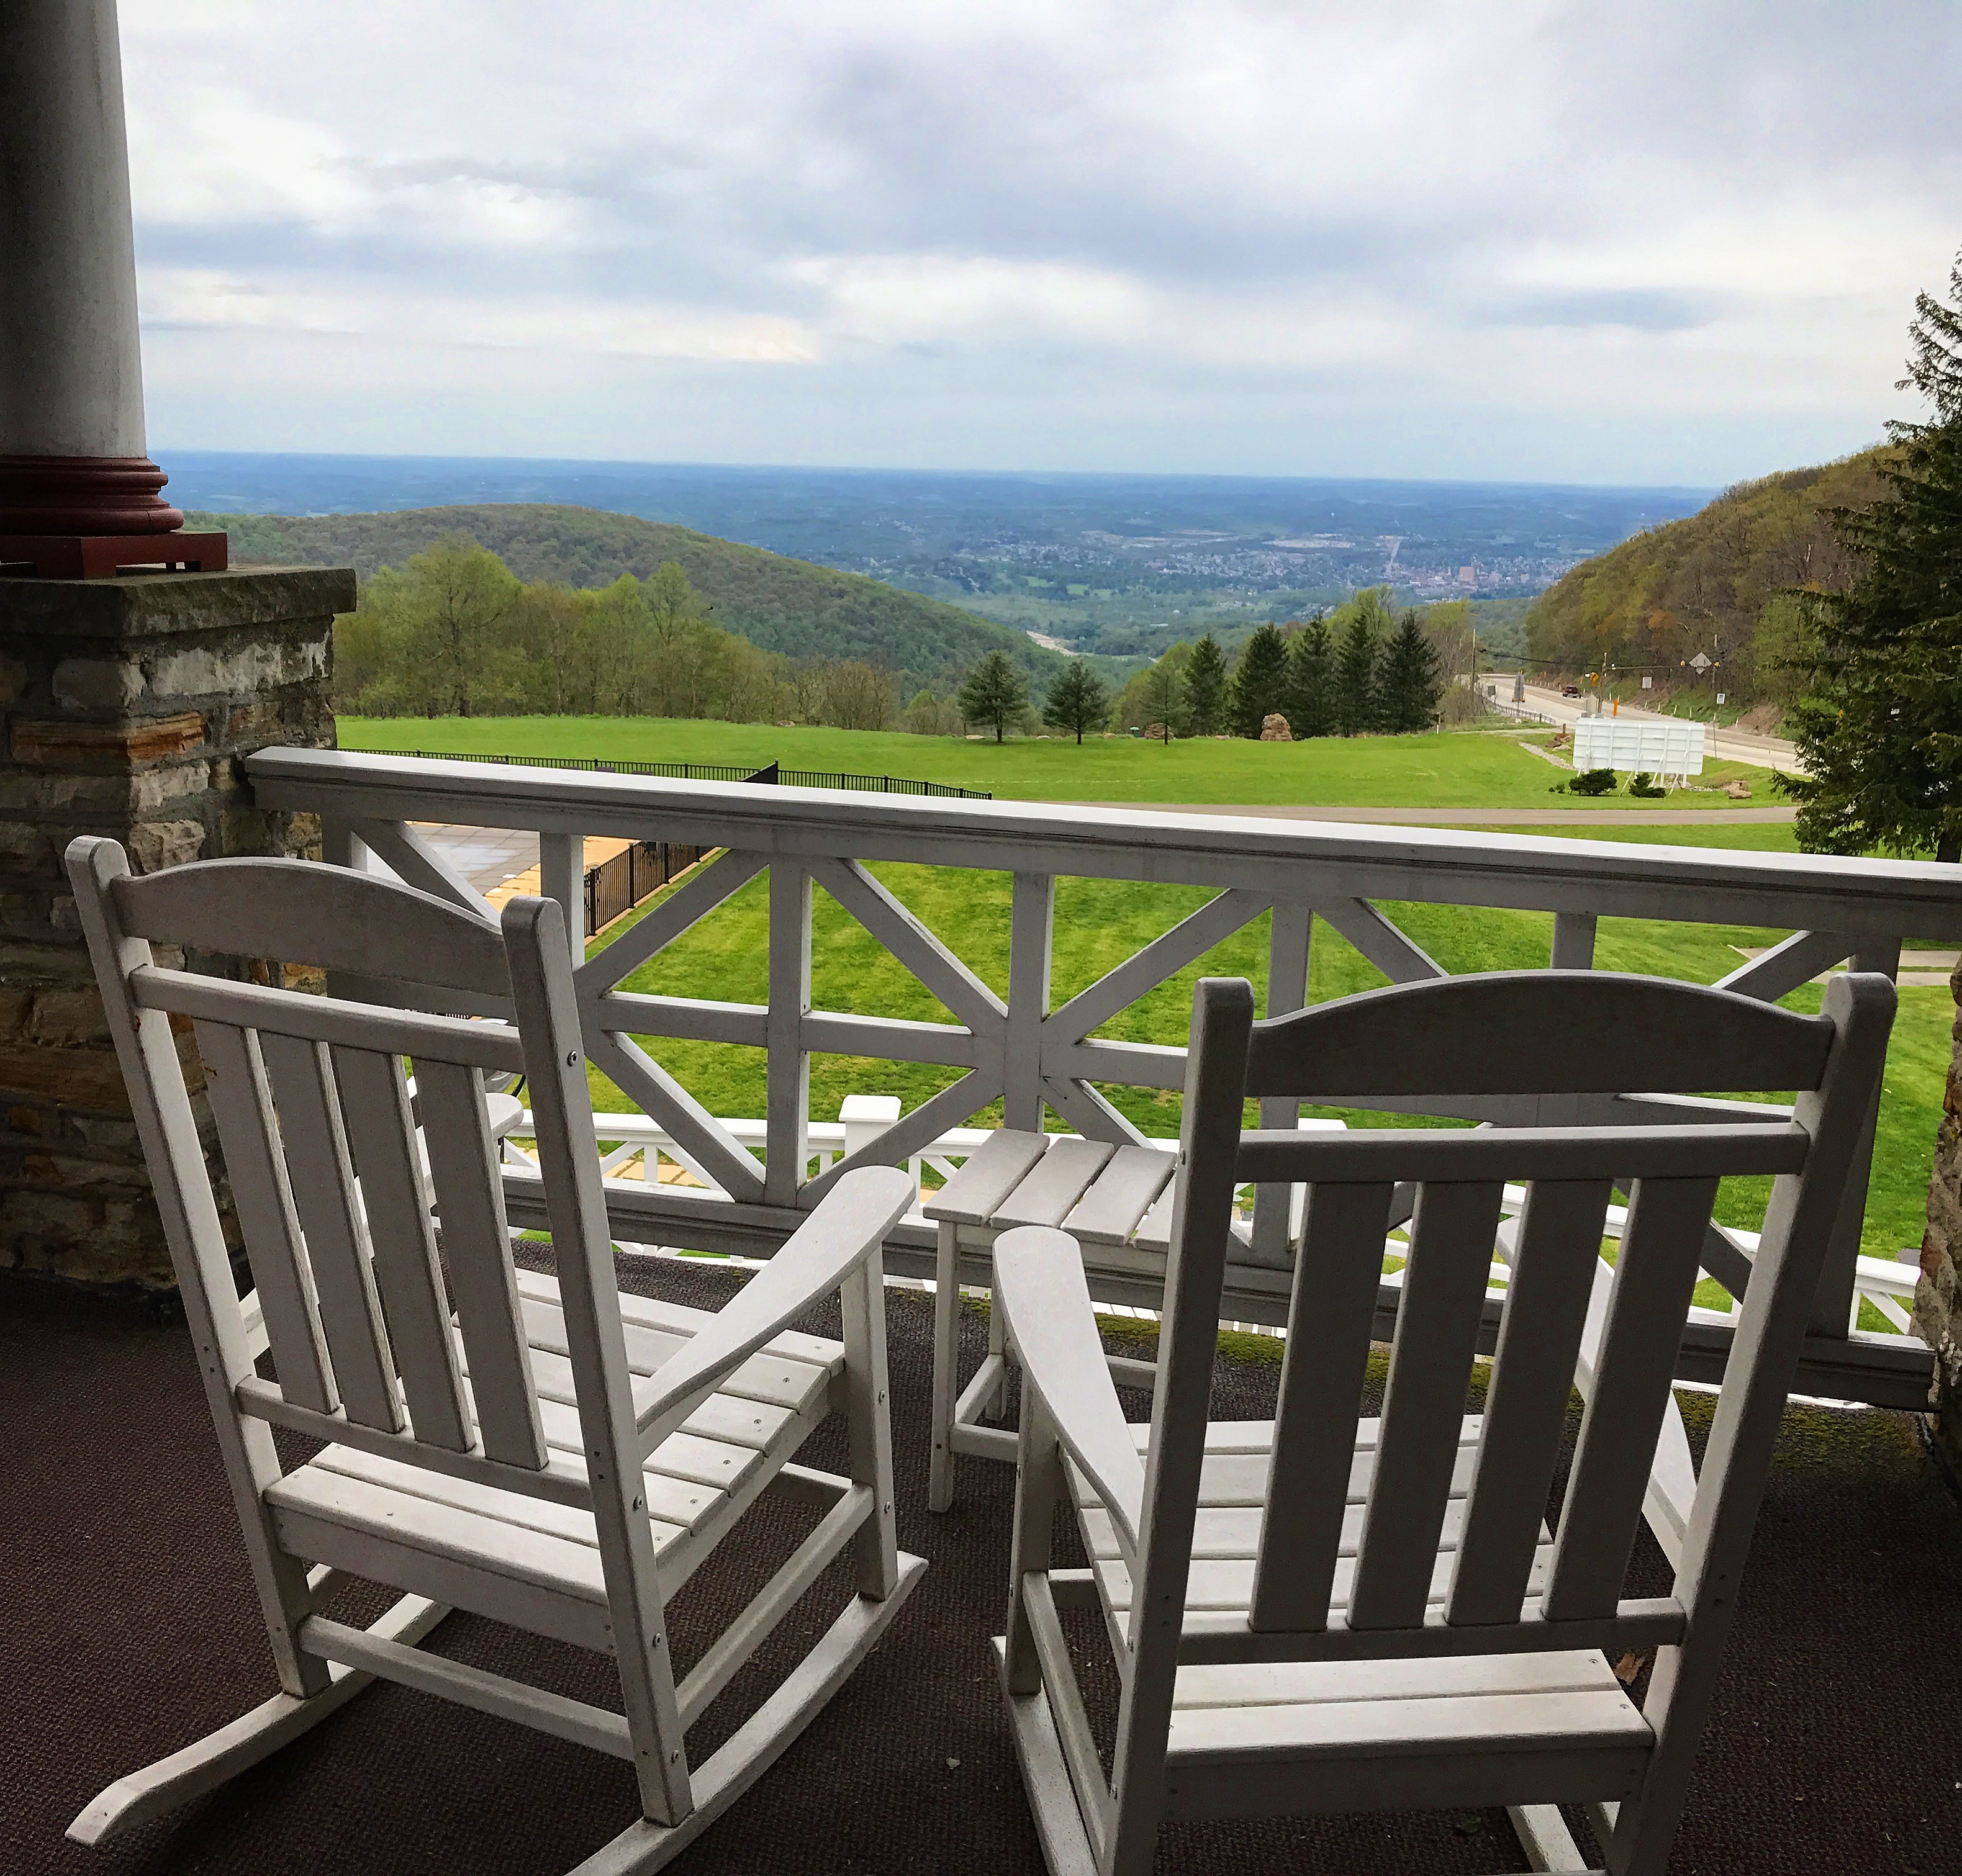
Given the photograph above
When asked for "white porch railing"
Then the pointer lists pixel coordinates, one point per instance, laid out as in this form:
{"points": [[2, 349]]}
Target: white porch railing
{"points": [[1033, 1056]]}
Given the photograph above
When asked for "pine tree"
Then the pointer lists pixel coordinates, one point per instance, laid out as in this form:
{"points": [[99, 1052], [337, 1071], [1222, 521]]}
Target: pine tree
{"points": [[1879, 729], [1356, 678], [1311, 680], [1163, 696], [1206, 686], [1410, 680], [993, 693], [1259, 681], [1077, 700]]}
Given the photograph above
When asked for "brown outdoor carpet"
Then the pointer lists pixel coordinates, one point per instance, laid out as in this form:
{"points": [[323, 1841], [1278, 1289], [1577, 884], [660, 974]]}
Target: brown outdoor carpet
{"points": [[127, 1629]]}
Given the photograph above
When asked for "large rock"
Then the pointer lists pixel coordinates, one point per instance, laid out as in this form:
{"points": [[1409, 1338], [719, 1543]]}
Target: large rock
{"points": [[1274, 729]]}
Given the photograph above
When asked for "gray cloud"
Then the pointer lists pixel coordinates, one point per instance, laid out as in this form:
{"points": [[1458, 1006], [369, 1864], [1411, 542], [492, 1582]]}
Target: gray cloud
{"points": [[1675, 242]]}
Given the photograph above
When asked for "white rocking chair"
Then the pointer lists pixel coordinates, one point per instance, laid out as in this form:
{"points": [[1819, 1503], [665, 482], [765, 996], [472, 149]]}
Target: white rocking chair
{"points": [[541, 1451], [1324, 1612]]}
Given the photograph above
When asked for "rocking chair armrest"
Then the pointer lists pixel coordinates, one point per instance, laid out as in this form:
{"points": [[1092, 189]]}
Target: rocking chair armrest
{"points": [[850, 1224], [1044, 1298]]}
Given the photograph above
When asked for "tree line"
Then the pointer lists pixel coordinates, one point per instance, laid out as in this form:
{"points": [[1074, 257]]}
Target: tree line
{"points": [[1358, 671], [453, 632]]}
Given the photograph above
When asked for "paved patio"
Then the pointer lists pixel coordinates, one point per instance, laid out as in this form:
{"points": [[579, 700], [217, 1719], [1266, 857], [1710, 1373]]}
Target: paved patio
{"points": [[128, 1629]]}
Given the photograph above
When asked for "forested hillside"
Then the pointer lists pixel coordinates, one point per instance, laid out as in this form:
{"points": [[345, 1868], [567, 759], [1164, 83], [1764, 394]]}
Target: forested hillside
{"points": [[791, 606], [1721, 582]]}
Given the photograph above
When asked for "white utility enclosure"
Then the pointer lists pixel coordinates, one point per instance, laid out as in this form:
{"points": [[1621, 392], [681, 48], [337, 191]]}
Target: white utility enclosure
{"points": [[1674, 749]]}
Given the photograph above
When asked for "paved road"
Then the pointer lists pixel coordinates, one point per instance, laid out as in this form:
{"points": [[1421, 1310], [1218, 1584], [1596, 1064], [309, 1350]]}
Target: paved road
{"points": [[1721, 745], [1469, 817]]}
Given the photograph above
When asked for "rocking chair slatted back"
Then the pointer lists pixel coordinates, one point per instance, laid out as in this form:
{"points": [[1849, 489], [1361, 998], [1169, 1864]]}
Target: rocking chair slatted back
{"points": [[1504, 1584], [359, 1253]]}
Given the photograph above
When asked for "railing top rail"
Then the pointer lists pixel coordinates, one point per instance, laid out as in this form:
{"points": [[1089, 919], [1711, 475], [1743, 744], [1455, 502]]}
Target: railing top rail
{"points": [[1303, 861]]}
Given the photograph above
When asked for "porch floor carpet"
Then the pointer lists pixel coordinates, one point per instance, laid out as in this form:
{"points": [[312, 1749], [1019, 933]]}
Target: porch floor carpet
{"points": [[127, 1629]]}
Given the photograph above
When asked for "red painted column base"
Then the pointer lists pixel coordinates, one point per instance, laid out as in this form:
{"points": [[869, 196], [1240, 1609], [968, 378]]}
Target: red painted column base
{"points": [[88, 517], [98, 556]]}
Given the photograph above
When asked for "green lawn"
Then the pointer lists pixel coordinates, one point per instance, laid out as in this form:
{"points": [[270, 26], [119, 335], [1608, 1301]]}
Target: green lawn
{"points": [[1468, 768], [1099, 923]]}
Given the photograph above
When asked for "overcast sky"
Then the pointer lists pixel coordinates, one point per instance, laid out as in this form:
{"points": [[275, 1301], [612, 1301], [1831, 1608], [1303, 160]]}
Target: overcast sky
{"points": [[1646, 243]]}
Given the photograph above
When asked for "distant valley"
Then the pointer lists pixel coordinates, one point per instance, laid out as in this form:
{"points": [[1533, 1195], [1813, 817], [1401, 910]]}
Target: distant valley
{"points": [[1119, 566]]}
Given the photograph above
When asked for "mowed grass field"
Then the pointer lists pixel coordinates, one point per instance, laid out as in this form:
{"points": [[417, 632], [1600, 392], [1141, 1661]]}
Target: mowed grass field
{"points": [[1098, 924], [1461, 768]]}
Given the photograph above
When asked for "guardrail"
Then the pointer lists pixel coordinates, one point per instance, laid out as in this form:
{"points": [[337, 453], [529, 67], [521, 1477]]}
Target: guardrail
{"points": [[1033, 1054], [771, 773]]}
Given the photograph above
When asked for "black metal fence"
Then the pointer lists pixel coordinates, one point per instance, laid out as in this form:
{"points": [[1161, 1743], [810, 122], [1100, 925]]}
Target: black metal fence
{"points": [[616, 886], [707, 772]]}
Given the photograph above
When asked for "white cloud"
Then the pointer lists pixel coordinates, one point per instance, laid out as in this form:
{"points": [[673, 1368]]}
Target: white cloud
{"points": [[1677, 242]]}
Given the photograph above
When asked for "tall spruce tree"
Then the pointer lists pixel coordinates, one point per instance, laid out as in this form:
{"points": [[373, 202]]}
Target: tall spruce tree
{"points": [[1311, 680], [1260, 680], [993, 693], [1355, 677], [1410, 680], [1879, 729], [1077, 700], [1204, 687]]}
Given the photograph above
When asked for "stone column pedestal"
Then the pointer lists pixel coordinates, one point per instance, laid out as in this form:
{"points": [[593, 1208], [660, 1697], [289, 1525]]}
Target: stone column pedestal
{"points": [[127, 705]]}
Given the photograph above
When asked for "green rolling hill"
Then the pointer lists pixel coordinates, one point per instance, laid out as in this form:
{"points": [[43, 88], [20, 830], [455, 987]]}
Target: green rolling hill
{"points": [[793, 607]]}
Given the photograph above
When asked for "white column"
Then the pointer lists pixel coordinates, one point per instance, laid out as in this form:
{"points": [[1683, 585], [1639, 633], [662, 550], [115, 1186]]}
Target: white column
{"points": [[71, 371]]}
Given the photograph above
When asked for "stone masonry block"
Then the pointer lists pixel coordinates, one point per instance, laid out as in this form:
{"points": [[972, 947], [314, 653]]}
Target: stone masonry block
{"points": [[106, 749], [67, 1019], [255, 664], [153, 845], [23, 848], [98, 684]]}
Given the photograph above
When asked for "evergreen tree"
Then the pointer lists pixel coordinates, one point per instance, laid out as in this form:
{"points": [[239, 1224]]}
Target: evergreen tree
{"points": [[1311, 680], [1410, 680], [1206, 686], [993, 693], [1356, 678], [1880, 729], [1163, 696], [1077, 700], [1259, 681]]}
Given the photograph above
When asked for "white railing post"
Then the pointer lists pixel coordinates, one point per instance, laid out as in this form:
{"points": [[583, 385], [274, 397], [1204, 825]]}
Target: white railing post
{"points": [[1031, 935], [1288, 942], [1573, 941], [786, 1141], [562, 876], [1835, 1304], [864, 1118]]}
